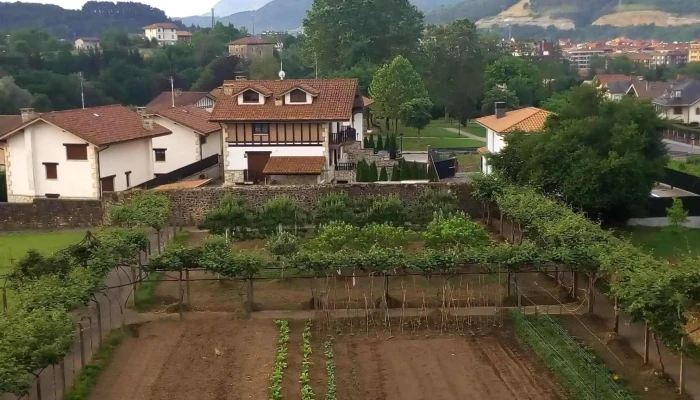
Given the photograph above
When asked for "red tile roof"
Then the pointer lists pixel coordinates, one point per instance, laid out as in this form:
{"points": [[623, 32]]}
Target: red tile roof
{"points": [[334, 101], [165, 100], [164, 25], [530, 119], [367, 101], [257, 39], [191, 117], [101, 125], [184, 33], [9, 123], [294, 165], [89, 39], [605, 79]]}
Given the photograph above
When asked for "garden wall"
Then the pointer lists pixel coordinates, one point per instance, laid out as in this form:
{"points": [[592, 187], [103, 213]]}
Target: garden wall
{"points": [[190, 205], [45, 214]]}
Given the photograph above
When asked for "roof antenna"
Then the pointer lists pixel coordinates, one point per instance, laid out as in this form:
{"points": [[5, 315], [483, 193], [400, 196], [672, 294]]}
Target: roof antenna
{"points": [[172, 90], [82, 91], [280, 46]]}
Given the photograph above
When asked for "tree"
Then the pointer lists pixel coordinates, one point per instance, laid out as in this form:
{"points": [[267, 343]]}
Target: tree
{"points": [[263, 67], [518, 75], [380, 143], [373, 173], [393, 85], [13, 97], [677, 215], [383, 175], [370, 141], [230, 216], [605, 164], [395, 173], [499, 94], [219, 70], [454, 66], [416, 113], [341, 34]]}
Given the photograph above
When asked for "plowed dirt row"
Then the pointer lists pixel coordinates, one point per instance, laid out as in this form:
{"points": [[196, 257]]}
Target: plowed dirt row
{"points": [[439, 368], [199, 359]]}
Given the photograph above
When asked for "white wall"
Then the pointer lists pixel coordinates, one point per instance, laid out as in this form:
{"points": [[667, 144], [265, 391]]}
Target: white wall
{"points": [[213, 144], [687, 116], [237, 161], [43, 143], [135, 156], [182, 147], [494, 144], [358, 121]]}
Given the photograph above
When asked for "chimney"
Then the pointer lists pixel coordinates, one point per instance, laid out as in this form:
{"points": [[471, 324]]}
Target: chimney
{"points": [[27, 114], [500, 107], [228, 90], [279, 101], [141, 110], [178, 92], [147, 121]]}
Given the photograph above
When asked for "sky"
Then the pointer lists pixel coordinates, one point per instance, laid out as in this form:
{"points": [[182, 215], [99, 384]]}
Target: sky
{"points": [[174, 8]]}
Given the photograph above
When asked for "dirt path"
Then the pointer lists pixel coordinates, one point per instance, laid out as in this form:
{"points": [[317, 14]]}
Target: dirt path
{"points": [[466, 134], [439, 368], [217, 359]]}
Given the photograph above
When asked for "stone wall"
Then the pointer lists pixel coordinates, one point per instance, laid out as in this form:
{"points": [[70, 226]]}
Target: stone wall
{"points": [[46, 214], [190, 205]]}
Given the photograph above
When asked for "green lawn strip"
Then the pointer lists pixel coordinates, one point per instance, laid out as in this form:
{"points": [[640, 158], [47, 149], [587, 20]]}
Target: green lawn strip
{"points": [[307, 392], [577, 369], [475, 129], [181, 238], [87, 378], [421, 144], [690, 166], [331, 392], [280, 361], [664, 243]]}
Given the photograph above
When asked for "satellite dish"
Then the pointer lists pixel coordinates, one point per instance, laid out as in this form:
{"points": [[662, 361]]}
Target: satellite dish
{"points": [[281, 75]]}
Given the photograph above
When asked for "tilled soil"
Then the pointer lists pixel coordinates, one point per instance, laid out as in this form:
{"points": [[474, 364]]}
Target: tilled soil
{"points": [[203, 359], [451, 367]]}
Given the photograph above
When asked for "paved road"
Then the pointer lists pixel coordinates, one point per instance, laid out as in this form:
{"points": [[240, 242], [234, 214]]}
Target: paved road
{"points": [[679, 149]]}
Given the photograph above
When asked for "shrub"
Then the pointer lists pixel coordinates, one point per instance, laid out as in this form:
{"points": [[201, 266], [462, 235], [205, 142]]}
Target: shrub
{"points": [[455, 232], [230, 216], [373, 175], [335, 206], [283, 244], [382, 235], [383, 175], [423, 209], [333, 237], [677, 215], [144, 209], [386, 210], [279, 213]]}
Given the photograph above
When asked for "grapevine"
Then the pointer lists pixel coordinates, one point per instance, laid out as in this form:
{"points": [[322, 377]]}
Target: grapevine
{"points": [[307, 392], [280, 361]]}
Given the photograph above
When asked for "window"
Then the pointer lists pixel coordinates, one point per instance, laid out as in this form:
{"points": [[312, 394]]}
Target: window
{"points": [[697, 111], [251, 96], [677, 110], [202, 140], [297, 96], [51, 170], [677, 94], [128, 178], [261, 129], [76, 152], [160, 155], [107, 184]]}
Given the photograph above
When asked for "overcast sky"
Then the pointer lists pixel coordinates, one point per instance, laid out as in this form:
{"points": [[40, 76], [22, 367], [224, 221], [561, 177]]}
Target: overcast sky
{"points": [[174, 8]]}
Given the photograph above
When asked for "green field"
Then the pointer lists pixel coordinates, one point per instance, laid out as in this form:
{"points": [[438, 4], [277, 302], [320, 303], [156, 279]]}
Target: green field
{"points": [[436, 129], [664, 243], [420, 144], [15, 246], [690, 166]]}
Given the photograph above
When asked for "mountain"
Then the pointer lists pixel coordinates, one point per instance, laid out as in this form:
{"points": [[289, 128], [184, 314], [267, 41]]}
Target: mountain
{"points": [[91, 20], [230, 7]]}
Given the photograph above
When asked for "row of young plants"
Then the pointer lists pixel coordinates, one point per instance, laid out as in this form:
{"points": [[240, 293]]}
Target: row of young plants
{"points": [[331, 390], [582, 375], [233, 216], [647, 289], [280, 361], [307, 392], [38, 331], [402, 171]]}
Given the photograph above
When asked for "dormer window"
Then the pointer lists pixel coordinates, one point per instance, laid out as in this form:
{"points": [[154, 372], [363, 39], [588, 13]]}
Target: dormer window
{"points": [[677, 94], [251, 96], [297, 96]]}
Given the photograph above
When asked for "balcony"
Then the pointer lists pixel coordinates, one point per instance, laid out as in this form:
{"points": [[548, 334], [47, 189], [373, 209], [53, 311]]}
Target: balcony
{"points": [[346, 135], [345, 166]]}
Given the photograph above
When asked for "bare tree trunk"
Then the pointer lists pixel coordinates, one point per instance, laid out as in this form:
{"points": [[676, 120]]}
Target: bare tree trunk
{"points": [[658, 352]]}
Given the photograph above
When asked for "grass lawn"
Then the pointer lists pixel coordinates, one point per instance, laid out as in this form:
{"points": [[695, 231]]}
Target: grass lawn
{"points": [[15, 246], [436, 128], [420, 144], [663, 243], [690, 166], [469, 162]]}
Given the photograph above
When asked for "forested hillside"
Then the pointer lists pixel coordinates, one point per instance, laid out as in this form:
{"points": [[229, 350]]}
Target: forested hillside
{"points": [[91, 20]]}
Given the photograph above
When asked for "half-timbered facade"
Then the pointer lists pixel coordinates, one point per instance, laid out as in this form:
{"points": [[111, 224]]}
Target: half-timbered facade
{"points": [[280, 120]]}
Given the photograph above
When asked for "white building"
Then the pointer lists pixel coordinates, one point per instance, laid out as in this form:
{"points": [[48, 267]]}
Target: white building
{"points": [[680, 102], [528, 119], [193, 138], [87, 43], [179, 98], [78, 154], [166, 33], [581, 58], [276, 131]]}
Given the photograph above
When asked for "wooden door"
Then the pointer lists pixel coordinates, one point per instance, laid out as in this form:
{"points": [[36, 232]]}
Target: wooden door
{"points": [[107, 184], [256, 164]]}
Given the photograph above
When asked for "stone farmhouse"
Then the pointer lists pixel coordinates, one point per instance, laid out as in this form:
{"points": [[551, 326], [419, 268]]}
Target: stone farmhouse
{"points": [[77, 154]]}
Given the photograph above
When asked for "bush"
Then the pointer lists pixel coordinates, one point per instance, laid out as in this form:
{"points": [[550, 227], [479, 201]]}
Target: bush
{"points": [[283, 244], [455, 232], [335, 206], [422, 211], [279, 213], [382, 235], [333, 237], [383, 175], [231, 216], [386, 210]]}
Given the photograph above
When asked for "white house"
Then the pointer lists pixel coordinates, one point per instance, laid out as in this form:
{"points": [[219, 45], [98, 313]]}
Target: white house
{"points": [[166, 33], [78, 154], [87, 43], [179, 98], [680, 102], [274, 131], [528, 119], [193, 138]]}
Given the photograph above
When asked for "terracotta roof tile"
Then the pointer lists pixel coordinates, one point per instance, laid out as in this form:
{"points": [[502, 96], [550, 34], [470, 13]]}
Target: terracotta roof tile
{"points": [[604, 79], [254, 86], [308, 89], [528, 119], [334, 101], [294, 165], [482, 150], [101, 125], [8, 123], [256, 39], [191, 117], [165, 100], [215, 93], [366, 101]]}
